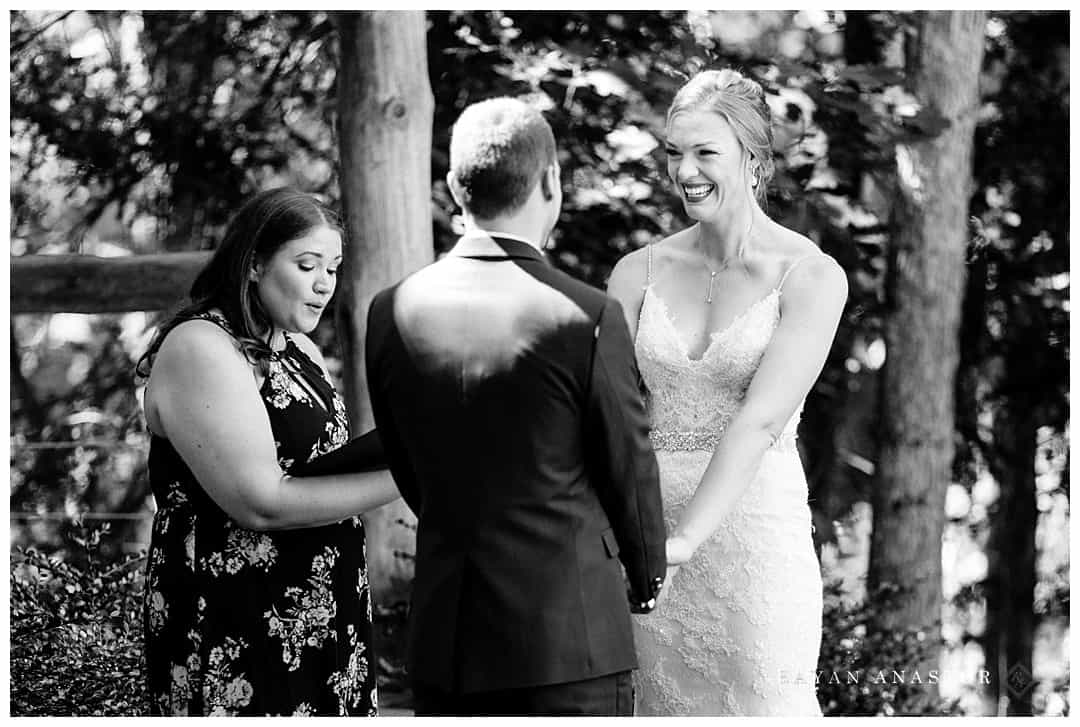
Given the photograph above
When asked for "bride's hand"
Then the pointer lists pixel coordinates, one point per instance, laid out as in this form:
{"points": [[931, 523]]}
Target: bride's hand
{"points": [[678, 550]]}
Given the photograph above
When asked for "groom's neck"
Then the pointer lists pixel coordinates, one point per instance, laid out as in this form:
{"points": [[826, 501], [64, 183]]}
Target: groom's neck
{"points": [[518, 225]]}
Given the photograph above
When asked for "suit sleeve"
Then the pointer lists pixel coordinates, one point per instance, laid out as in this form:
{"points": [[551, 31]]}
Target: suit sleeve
{"points": [[622, 461], [363, 454], [379, 340]]}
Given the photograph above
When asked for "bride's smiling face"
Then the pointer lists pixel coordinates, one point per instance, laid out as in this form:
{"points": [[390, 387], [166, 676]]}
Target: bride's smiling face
{"points": [[706, 163]]}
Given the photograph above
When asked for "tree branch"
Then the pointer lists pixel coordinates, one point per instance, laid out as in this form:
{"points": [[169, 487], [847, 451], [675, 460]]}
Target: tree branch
{"points": [[23, 42]]}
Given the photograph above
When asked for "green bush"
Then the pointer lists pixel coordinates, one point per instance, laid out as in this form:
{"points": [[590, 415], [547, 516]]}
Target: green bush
{"points": [[857, 661], [76, 631]]}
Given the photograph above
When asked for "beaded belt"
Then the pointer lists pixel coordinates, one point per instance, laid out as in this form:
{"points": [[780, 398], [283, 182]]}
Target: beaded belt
{"points": [[707, 441], [684, 441]]}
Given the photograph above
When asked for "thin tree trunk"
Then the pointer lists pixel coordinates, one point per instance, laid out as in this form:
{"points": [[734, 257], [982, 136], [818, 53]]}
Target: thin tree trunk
{"points": [[926, 282], [1009, 639], [862, 39], [385, 109]]}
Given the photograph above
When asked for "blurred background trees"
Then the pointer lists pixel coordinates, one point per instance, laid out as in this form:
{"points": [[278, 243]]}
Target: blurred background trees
{"points": [[138, 131]]}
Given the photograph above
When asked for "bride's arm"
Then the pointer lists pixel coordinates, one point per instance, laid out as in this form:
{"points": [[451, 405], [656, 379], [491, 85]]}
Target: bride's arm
{"points": [[627, 285], [811, 304]]}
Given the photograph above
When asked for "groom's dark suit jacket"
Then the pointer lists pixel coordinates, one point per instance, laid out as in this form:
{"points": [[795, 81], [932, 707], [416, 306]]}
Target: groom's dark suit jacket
{"points": [[506, 395]]}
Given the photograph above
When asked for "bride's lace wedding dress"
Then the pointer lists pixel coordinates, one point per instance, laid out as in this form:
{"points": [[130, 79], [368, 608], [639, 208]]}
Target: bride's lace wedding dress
{"points": [[738, 629]]}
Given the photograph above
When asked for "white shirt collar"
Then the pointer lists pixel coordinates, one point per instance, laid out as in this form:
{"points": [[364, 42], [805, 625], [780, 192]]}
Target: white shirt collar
{"points": [[478, 233]]}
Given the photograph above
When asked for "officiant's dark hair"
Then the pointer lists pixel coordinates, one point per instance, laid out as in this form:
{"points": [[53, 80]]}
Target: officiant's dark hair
{"points": [[262, 225], [499, 151]]}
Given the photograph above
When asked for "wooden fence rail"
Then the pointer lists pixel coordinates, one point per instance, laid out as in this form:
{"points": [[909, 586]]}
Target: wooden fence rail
{"points": [[91, 284]]}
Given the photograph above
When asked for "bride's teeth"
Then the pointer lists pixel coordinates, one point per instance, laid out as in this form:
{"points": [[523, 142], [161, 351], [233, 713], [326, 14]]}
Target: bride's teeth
{"points": [[697, 190]]}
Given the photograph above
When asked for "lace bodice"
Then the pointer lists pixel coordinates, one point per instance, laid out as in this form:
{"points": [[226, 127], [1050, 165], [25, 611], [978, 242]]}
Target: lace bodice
{"points": [[699, 396]]}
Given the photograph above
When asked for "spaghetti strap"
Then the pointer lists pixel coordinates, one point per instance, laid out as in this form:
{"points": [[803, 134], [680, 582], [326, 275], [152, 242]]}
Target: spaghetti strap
{"points": [[792, 267], [648, 264]]}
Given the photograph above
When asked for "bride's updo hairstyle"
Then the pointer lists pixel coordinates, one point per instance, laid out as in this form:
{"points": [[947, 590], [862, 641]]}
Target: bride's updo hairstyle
{"points": [[740, 101]]}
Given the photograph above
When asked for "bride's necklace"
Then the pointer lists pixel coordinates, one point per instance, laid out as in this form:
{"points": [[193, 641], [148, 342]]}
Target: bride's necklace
{"points": [[712, 277], [712, 273]]}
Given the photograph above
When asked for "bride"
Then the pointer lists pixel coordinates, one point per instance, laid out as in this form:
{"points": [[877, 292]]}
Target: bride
{"points": [[732, 319]]}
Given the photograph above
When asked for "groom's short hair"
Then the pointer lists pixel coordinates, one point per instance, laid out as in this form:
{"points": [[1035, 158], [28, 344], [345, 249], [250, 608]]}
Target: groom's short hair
{"points": [[499, 149]]}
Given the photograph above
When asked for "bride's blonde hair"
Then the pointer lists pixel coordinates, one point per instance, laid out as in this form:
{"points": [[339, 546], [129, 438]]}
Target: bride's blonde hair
{"points": [[740, 101]]}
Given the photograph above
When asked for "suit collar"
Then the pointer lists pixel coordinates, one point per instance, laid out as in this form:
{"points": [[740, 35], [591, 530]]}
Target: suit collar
{"points": [[494, 246]]}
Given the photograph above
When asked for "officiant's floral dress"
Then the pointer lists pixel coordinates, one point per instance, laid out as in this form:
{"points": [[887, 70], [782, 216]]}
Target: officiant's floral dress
{"points": [[240, 622]]}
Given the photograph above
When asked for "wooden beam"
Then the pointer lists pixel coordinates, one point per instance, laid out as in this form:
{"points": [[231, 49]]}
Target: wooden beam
{"points": [[91, 284], [385, 111]]}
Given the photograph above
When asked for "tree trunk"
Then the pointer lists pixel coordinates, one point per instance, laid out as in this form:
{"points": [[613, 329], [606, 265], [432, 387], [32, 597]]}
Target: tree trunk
{"points": [[385, 109], [1009, 639], [924, 289], [863, 40]]}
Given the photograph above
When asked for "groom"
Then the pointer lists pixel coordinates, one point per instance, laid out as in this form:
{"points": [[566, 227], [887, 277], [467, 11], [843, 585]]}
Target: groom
{"points": [[506, 395]]}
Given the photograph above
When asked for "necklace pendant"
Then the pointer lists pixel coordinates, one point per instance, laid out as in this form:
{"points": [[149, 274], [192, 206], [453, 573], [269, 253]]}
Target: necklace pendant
{"points": [[708, 296]]}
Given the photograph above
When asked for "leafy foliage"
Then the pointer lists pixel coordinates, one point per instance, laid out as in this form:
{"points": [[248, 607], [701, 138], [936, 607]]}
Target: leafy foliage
{"points": [[170, 133], [1018, 347], [77, 435], [76, 631], [866, 671]]}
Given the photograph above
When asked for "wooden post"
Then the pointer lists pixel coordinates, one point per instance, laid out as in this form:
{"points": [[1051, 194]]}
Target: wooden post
{"points": [[385, 110]]}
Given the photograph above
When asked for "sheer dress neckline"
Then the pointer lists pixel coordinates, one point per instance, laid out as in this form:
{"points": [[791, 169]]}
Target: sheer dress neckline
{"points": [[716, 335]]}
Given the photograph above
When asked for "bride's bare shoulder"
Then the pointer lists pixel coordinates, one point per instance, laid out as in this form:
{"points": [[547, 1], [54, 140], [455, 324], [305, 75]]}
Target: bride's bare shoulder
{"points": [[628, 279], [784, 242], [787, 247], [806, 273], [676, 243]]}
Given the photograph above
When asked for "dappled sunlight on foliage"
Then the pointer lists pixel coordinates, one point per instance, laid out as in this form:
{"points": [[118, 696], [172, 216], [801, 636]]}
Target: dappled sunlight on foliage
{"points": [[76, 630]]}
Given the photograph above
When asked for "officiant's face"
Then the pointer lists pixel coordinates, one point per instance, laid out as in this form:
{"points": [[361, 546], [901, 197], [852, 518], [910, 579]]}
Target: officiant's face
{"points": [[706, 163], [296, 283]]}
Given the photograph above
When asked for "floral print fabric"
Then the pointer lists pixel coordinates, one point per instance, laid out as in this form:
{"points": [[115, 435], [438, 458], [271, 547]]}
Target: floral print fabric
{"points": [[240, 622]]}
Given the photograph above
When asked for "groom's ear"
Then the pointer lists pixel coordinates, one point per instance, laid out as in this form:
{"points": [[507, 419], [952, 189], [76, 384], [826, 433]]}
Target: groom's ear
{"points": [[452, 183], [549, 180]]}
